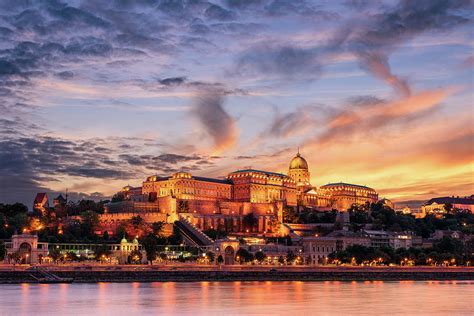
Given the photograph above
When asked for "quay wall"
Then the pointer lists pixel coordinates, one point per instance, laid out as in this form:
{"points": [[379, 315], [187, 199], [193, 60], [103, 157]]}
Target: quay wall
{"points": [[242, 275]]}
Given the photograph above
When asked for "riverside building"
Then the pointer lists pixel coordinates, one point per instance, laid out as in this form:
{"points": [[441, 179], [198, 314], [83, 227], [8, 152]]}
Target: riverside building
{"points": [[247, 200]]}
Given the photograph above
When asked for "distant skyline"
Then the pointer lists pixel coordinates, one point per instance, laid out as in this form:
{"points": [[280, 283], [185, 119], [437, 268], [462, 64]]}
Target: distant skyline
{"points": [[98, 96]]}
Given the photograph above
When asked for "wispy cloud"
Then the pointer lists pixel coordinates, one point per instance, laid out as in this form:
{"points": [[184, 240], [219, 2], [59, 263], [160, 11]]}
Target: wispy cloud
{"points": [[214, 119]]}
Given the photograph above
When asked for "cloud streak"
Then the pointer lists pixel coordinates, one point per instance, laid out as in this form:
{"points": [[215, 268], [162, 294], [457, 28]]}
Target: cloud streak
{"points": [[218, 124]]}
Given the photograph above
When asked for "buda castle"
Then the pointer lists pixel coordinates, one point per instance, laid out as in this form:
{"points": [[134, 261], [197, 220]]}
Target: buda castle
{"points": [[223, 203]]}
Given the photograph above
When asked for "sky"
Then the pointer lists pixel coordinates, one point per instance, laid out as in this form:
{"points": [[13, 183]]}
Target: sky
{"points": [[95, 95]]}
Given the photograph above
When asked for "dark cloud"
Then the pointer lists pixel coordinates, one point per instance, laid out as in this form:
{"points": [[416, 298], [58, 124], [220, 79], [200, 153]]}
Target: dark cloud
{"points": [[372, 41], [218, 124], [245, 4], [65, 75], [173, 81], [286, 61], [376, 40], [279, 8], [298, 7], [8, 68], [27, 162], [215, 12]]}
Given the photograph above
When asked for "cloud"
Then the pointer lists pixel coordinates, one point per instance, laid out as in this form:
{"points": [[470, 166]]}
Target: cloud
{"points": [[297, 122], [172, 81], [377, 64], [217, 123], [65, 75], [27, 163], [286, 61], [216, 12], [375, 40], [362, 119], [371, 41]]}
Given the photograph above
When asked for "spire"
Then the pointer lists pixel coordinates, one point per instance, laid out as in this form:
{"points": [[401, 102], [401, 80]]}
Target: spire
{"points": [[298, 154]]}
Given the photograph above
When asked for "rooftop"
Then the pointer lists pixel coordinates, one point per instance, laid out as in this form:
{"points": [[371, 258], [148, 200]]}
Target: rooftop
{"points": [[261, 171], [225, 181], [468, 200], [40, 197], [345, 184]]}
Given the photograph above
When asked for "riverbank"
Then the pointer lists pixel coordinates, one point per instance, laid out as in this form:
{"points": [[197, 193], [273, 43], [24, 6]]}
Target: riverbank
{"points": [[87, 274]]}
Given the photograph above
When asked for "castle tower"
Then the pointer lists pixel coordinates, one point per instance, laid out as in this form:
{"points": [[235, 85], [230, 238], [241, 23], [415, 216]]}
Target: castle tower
{"points": [[298, 171]]}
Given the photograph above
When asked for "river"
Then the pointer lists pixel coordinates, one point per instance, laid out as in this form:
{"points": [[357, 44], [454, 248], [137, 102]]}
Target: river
{"points": [[231, 298]]}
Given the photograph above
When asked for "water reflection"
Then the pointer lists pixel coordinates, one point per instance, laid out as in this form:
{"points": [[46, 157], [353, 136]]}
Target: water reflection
{"points": [[257, 298]]}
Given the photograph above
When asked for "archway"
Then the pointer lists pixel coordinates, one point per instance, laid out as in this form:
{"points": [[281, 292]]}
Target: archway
{"points": [[229, 255], [25, 253]]}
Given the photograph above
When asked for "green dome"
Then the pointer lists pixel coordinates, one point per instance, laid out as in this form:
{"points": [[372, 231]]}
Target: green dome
{"points": [[135, 241], [124, 241]]}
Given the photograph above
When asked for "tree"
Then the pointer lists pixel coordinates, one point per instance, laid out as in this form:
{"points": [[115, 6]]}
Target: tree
{"points": [[260, 256], [10, 210], [250, 222], [89, 222], [118, 197], [15, 257], [290, 257], [3, 250], [135, 257], [137, 226], [448, 207], [71, 256], [290, 215], [102, 252], [183, 206], [150, 244], [281, 260], [215, 233], [211, 256], [55, 254], [157, 227], [243, 255]]}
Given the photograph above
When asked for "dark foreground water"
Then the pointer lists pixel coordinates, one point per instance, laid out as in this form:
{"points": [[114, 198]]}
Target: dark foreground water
{"points": [[257, 298]]}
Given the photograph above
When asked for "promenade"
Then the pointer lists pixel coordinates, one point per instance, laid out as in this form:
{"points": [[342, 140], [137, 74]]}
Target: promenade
{"points": [[196, 273]]}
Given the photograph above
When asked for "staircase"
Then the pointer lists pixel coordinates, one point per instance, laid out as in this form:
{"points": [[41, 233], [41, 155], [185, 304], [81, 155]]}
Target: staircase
{"points": [[192, 235], [43, 276]]}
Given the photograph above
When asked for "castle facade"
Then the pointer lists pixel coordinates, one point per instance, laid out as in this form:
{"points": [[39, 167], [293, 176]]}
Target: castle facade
{"points": [[247, 200]]}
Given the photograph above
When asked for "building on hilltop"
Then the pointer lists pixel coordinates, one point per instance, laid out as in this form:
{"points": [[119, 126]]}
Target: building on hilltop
{"points": [[210, 203], [442, 205], [41, 203], [59, 201], [343, 195]]}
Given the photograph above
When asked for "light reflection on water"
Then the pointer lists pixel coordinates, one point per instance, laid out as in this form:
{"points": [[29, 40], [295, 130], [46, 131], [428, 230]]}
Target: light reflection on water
{"points": [[230, 298]]}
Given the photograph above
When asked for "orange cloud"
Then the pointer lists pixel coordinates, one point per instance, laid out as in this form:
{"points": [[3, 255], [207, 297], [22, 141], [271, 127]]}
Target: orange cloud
{"points": [[365, 118]]}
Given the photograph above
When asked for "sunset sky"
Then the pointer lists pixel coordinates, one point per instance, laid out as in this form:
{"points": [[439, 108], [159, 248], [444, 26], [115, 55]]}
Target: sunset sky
{"points": [[95, 97]]}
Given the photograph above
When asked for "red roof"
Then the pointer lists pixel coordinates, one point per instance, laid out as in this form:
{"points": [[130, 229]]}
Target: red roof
{"points": [[40, 197]]}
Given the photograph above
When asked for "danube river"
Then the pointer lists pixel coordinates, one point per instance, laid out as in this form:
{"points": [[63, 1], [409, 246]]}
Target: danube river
{"points": [[231, 298]]}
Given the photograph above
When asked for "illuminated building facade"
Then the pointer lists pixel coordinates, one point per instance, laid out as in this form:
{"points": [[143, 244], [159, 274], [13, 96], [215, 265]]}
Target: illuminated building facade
{"points": [[210, 203], [258, 186], [41, 203], [342, 196], [442, 205]]}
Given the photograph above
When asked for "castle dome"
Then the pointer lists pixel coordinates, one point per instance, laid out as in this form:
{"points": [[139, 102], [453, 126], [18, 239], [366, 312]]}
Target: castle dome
{"points": [[298, 162]]}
